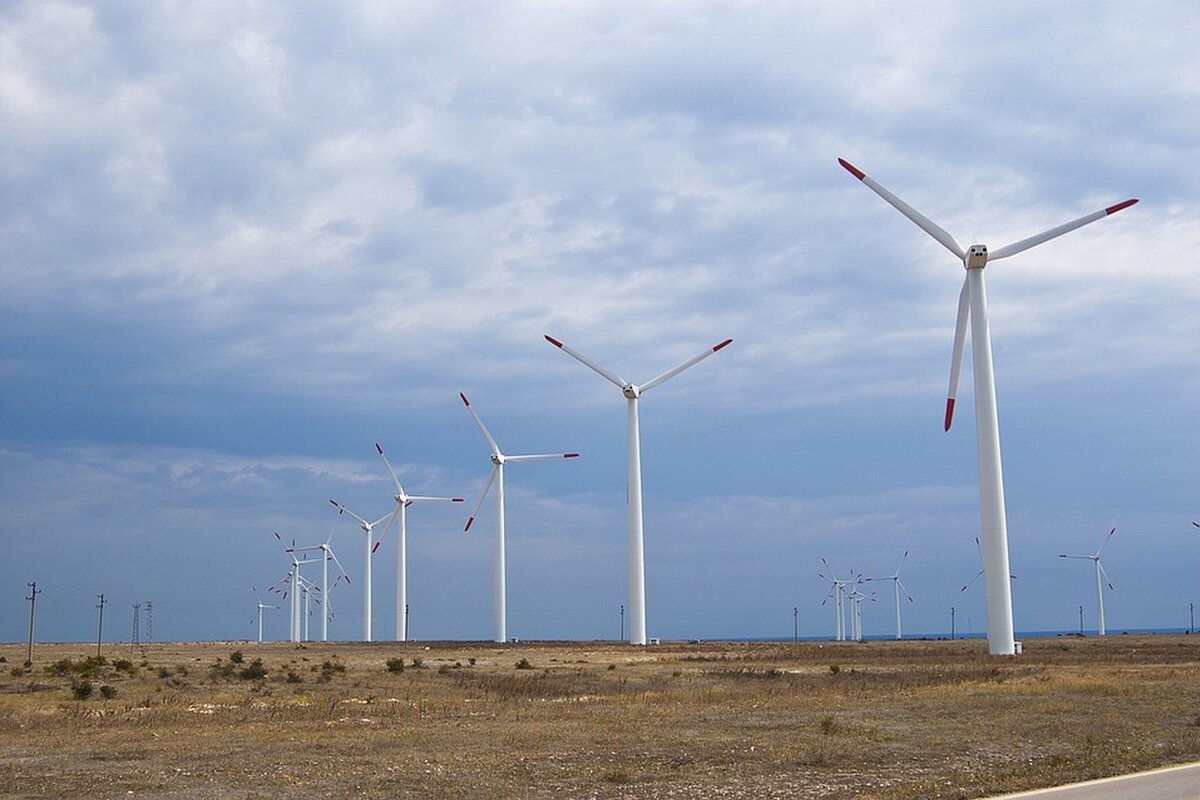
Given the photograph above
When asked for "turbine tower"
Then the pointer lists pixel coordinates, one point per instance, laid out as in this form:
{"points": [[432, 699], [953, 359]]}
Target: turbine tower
{"points": [[496, 474], [637, 558], [261, 607], [897, 587], [972, 304], [403, 501], [837, 590], [1100, 573], [371, 547], [327, 555]]}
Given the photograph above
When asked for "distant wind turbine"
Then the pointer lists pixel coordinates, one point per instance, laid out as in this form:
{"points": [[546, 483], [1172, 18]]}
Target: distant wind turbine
{"points": [[1100, 573], [499, 459], [897, 586], [972, 305], [261, 607], [637, 556]]}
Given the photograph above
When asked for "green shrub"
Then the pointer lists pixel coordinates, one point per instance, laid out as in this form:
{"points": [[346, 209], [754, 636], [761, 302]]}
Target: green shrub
{"points": [[524, 664], [81, 689], [835, 668], [253, 671], [294, 677], [123, 665], [395, 665], [418, 663], [108, 692], [237, 657]]}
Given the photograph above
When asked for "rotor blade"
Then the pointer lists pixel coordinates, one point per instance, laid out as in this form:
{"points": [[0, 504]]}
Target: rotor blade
{"points": [[1107, 579], [956, 356], [923, 222], [896, 574], [341, 569], [542, 457], [1085, 558], [391, 472], [482, 428], [587, 362], [978, 575], [389, 516], [691, 362], [392, 523], [1054, 233], [904, 589], [979, 547], [341, 507], [333, 526], [1106, 541], [487, 484], [417, 498]]}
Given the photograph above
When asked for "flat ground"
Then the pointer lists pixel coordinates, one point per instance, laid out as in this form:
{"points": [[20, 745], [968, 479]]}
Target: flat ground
{"points": [[871, 720]]}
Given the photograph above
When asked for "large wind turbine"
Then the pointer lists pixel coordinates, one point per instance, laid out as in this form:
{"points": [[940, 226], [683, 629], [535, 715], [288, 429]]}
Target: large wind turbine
{"points": [[1095, 559], [371, 547], [637, 558], [403, 500], [897, 586], [496, 474], [327, 555], [261, 607], [972, 304]]}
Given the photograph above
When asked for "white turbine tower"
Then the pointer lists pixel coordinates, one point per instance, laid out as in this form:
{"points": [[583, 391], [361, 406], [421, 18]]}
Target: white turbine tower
{"points": [[1100, 573], [403, 500], [637, 558], [837, 590], [293, 583], [496, 474], [897, 587], [261, 607], [371, 547], [972, 304]]}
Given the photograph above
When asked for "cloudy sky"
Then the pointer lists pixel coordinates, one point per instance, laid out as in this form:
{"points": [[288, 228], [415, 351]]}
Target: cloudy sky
{"points": [[241, 242]]}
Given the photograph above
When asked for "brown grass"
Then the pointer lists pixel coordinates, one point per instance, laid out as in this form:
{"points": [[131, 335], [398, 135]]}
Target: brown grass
{"points": [[895, 719]]}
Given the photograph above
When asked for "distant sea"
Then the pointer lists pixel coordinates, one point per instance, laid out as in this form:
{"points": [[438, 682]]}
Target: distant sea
{"points": [[1019, 635]]}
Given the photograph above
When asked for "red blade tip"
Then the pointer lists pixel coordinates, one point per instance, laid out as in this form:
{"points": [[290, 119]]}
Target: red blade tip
{"points": [[378, 448], [1120, 206], [949, 412], [553, 341], [570, 455], [464, 399], [725, 343], [456, 499], [468, 526], [376, 547], [335, 502], [853, 170]]}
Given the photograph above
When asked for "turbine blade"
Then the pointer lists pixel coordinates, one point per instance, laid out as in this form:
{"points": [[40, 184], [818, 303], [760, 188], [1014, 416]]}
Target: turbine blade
{"points": [[419, 498], [487, 484], [587, 362], [922, 222], [978, 575], [482, 428], [956, 355], [545, 457], [391, 472], [691, 362], [1107, 579], [1054, 233], [1106, 541], [341, 507]]}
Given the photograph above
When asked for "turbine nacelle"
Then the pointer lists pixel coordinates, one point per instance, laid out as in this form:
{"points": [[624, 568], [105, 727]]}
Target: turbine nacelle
{"points": [[631, 392], [977, 256]]}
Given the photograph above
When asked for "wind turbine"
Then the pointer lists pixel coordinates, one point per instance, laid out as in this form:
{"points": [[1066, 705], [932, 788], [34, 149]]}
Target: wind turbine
{"points": [[261, 606], [1095, 558], [897, 586], [327, 555], [837, 590], [371, 547], [637, 557], [496, 474], [403, 500], [972, 304], [293, 583]]}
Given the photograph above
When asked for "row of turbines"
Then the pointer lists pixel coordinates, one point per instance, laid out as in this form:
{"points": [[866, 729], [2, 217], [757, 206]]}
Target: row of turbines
{"points": [[303, 591], [848, 598], [972, 310]]}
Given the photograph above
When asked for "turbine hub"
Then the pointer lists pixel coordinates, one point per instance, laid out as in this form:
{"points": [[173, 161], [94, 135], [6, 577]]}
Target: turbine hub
{"points": [[497, 459], [630, 391], [977, 256]]}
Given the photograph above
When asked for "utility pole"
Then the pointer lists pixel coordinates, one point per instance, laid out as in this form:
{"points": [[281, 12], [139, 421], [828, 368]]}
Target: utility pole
{"points": [[795, 624], [1191, 617], [407, 632], [33, 593], [952, 622], [622, 622], [137, 608], [1081, 620], [149, 621], [100, 626]]}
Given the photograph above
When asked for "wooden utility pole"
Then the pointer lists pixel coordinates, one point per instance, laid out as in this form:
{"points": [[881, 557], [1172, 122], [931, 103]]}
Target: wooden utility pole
{"points": [[100, 626], [33, 593]]}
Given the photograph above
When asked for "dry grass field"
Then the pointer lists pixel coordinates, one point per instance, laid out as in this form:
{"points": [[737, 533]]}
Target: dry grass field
{"points": [[583, 720]]}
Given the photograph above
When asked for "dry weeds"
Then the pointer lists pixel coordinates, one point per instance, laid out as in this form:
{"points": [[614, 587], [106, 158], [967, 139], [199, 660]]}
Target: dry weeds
{"points": [[591, 720]]}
